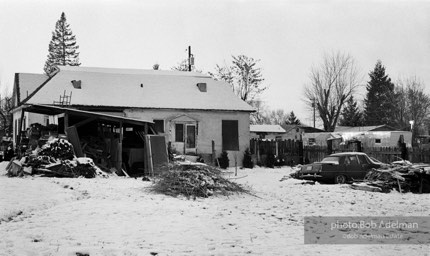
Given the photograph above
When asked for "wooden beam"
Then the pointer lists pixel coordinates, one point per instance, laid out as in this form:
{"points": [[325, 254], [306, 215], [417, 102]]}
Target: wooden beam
{"points": [[152, 130], [66, 121], [119, 163], [20, 129]]}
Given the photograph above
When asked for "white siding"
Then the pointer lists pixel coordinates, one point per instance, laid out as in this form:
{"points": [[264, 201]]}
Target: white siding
{"points": [[209, 127]]}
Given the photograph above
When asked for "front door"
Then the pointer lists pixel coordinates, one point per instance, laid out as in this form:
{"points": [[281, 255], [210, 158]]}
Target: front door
{"points": [[191, 136]]}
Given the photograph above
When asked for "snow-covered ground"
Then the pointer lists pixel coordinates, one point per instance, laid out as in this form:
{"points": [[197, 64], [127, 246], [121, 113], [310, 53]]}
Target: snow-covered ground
{"points": [[120, 216]]}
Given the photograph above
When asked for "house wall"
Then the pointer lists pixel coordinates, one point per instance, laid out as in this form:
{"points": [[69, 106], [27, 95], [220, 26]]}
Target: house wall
{"points": [[293, 134], [209, 127]]}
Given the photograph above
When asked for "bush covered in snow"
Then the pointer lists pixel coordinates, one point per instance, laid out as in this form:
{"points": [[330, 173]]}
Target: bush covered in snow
{"points": [[247, 159], [223, 161]]}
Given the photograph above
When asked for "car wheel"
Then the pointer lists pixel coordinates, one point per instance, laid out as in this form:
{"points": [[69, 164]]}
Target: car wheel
{"points": [[340, 179]]}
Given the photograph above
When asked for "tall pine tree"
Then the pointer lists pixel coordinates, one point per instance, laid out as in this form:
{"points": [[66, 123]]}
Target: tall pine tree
{"points": [[351, 115], [292, 119], [62, 48], [380, 98]]}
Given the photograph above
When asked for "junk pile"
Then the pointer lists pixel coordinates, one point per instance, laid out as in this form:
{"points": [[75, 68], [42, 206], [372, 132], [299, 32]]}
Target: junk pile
{"points": [[195, 180], [405, 177], [55, 158]]}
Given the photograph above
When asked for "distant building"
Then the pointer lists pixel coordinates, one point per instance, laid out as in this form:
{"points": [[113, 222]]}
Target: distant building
{"points": [[278, 132], [367, 136], [267, 131], [295, 132]]}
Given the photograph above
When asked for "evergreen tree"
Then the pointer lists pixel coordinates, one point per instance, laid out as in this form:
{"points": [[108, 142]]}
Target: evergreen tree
{"points": [[292, 119], [380, 98], [351, 115], [62, 48]]}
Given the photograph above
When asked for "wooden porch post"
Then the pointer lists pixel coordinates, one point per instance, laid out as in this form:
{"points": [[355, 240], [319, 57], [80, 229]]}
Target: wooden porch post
{"points": [[18, 146], [213, 154], [119, 163], [66, 121]]}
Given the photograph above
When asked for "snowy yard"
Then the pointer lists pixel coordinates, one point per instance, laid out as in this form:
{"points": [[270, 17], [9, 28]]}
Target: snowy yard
{"points": [[120, 216]]}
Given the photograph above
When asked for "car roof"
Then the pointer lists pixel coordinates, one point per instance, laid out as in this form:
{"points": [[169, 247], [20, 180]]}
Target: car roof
{"points": [[348, 154]]}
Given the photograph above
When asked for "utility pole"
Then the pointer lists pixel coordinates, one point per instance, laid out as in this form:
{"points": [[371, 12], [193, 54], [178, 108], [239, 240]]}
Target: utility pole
{"points": [[313, 105], [190, 59]]}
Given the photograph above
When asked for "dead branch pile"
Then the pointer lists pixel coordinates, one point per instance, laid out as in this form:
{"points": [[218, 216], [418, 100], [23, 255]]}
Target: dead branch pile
{"points": [[55, 159], [404, 178], [195, 181]]}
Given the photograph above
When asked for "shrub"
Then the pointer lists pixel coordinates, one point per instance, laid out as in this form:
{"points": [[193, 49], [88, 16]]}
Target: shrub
{"points": [[247, 159], [270, 160], [223, 160]]}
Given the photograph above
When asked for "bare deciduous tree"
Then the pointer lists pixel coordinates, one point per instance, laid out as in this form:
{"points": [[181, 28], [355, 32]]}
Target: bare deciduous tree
{"points": [[244, 76], [278, 116], [260, 114], [416, 101], [332, 83], [5, 115]]}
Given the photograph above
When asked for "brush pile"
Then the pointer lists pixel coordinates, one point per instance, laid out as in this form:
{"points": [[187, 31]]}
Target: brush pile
{"points": [[56, 158], [403, 178], [195, 181]]}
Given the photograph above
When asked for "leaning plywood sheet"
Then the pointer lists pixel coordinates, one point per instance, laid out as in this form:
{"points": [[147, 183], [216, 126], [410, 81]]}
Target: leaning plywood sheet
{"points": [[159, 155], [73, 137]]}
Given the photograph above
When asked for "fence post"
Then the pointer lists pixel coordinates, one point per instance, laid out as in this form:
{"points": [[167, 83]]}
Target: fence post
{"points": [[213, 153]]}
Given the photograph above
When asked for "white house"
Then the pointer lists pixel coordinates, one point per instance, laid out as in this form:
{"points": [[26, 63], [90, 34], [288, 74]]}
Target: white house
{"points": [[196, 113]]}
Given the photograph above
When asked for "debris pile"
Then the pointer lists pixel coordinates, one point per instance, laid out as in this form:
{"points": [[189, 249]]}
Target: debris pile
{"points": [[403, 178], [195, 180], [57, 148], [56, 158]]}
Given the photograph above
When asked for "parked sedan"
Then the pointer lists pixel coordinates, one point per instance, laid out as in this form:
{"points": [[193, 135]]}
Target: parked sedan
{"points": [[340, 168]]}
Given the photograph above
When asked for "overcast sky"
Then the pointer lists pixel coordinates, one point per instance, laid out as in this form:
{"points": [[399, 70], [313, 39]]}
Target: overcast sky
{"points": [[287, 36]]}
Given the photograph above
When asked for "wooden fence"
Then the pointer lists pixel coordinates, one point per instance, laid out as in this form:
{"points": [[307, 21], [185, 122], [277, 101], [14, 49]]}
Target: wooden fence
{"points": [[293, 152], [288, 151]]}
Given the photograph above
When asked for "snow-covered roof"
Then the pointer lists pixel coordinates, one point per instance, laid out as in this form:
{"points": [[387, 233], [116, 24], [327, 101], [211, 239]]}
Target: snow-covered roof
{"points": [[363, 128], [139, 89], [269, 128], [26, 83]]}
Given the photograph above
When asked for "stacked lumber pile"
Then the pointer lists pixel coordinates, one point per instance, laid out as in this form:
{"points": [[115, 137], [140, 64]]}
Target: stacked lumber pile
{"points": [[56, 158], [195, 180], [408, 177]]}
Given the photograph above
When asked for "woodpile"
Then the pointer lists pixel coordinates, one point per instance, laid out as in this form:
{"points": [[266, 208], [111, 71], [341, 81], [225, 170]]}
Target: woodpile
{"points": [[56, 158], [195, 180], [413, 178]]}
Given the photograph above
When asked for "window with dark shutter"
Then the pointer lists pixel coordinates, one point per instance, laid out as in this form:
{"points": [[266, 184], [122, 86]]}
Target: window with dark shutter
{"points": [[159, 125], [230, 135], [179, 132]]}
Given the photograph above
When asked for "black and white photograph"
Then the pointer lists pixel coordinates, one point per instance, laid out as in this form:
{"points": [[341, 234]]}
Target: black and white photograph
{"points": [[230, 127]]}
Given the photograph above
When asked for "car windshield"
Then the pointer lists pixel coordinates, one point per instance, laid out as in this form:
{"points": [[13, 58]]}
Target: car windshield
{"points": [[331, 159]]}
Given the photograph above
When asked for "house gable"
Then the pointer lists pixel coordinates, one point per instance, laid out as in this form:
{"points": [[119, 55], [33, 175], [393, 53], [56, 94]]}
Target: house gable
{"points": [[25, 84], [182, 118]]}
